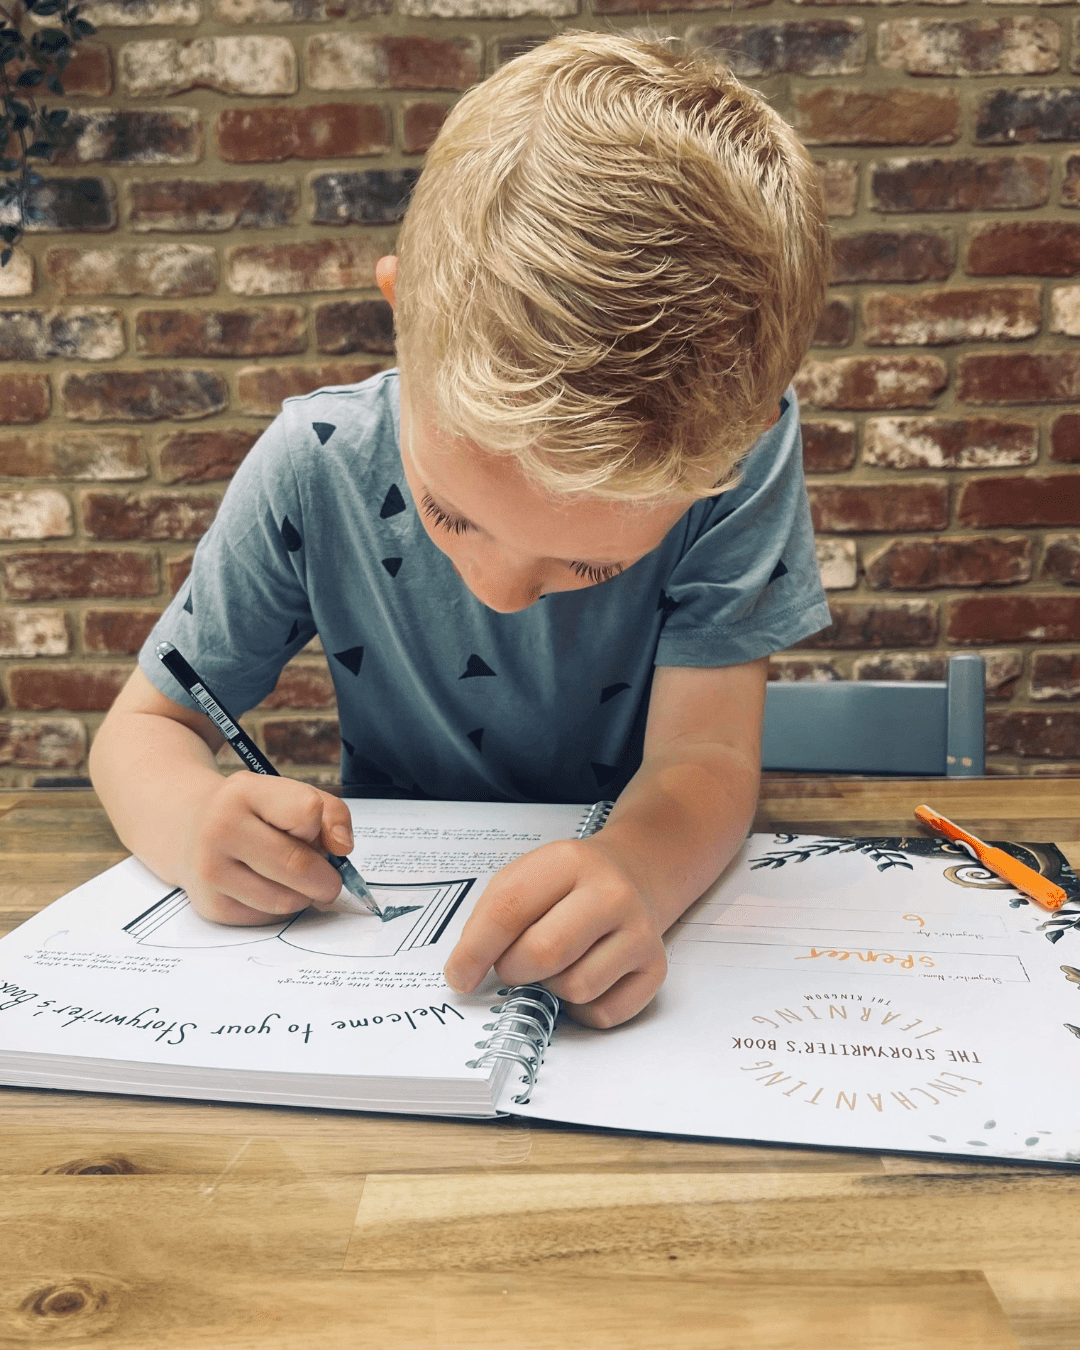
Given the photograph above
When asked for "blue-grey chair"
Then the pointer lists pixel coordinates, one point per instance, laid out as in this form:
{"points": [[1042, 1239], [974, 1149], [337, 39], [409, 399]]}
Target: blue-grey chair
{"points": [[884, 726]]}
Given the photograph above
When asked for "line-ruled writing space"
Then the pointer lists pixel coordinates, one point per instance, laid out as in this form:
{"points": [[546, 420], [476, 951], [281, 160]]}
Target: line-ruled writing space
{"points": [[700, 944], [754, 913]]}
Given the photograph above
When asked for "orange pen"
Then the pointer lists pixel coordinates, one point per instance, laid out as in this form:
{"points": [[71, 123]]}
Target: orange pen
{"points": [[1016, 873]]}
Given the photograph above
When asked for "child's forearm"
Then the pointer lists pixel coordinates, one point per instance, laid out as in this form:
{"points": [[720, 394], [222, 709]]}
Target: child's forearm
{"points": [[680, 821], [151, 773]]}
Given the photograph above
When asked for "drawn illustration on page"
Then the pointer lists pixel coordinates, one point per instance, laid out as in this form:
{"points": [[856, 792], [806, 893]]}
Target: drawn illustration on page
{"points": [[415, 915]]}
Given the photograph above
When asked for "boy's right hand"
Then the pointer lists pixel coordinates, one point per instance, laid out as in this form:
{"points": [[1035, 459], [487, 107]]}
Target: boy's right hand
{"points": [[249, 853]]}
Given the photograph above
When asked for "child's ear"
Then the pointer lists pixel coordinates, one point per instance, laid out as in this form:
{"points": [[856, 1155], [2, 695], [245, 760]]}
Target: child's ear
{"points": [[386, 277]]}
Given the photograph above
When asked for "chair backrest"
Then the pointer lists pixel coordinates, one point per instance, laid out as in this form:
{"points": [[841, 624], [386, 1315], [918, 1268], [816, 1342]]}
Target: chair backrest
{"points": [[885, 726]]}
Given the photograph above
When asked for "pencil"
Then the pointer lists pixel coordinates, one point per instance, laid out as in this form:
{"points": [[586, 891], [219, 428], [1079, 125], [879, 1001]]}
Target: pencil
{"points": [[253, 757]]}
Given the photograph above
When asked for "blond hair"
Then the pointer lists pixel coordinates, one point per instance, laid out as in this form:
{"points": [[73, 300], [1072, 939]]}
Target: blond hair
{"points": [[611, 267]]}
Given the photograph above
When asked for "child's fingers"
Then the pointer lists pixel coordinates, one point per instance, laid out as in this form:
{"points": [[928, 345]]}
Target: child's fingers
{"points": [[516, 897], [278, 872], [622, 1001], [602, 967], [556, 941], [222, 908]]}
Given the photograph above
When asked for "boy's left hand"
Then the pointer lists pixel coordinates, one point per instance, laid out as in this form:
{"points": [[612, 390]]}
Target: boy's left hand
{"points": [[566, 914]]}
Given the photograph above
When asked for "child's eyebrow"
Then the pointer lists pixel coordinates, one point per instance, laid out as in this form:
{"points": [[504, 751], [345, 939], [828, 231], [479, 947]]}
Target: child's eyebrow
{"points": [[449, 509]]}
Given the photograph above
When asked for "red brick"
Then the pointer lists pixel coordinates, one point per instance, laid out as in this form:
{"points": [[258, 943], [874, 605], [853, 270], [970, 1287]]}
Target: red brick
{"points": [[68, 688], [182, 204], [1061, 561], [1020, 116], [420, 123], [861, 508], [271, 331], [130, 136], [1070, 188], [143, 395], [791, 47], [788, 669], [177, 571], [73, 454], [885, 623], [1003, 669], [23, 398], [70, 574], [202, 456], [1053, 735], [828, 445], [1036, 248], [147, 515], [174, 270], [297, 11], [948, 443], [839, 185], [1014, 618], [940, 317], [892, 255], [872, 382], [295, 269], [34, 632], [1007, 183], [1065, 439], [89, 73], [80, 333], [1010, 46], [306, 740], [1021, 377], [302, 686], [923, 564], [355, 326], [1020, 500], [368, 197], [319, 131], [117, 632], [896, 116], [650, 7], [836, 327], [42, 743], [359, 61], [260, 66], [1055, 675], [261, 389]]}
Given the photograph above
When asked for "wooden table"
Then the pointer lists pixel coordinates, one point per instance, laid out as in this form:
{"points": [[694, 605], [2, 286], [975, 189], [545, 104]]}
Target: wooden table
{"points": [[147, 1225]]}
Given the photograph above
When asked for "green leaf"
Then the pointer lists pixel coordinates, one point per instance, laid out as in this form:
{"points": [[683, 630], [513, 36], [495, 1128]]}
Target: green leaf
{"points": [[29, 78], [9, 233], [50, 40], [46, 7], [54, 84], [39, 150], [57, 117], [5, 257], [83, 28]]}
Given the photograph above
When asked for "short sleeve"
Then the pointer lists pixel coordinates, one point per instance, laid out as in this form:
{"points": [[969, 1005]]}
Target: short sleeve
{"points": [[748, 584], [244, 610]]}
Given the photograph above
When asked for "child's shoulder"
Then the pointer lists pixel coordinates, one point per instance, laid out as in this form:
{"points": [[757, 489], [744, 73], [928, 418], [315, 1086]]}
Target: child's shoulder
{"points": [[342, 419]]}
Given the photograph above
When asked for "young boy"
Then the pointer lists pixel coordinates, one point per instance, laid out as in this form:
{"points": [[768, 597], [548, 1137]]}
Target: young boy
{"points": [[549, 556]]}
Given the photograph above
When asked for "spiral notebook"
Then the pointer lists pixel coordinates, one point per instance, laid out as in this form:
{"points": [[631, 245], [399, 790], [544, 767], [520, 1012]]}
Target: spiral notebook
{"points": [[881, 993]]}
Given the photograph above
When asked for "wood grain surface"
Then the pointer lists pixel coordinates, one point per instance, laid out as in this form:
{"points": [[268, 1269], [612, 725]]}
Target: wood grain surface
{"points": [[141, 1224]]}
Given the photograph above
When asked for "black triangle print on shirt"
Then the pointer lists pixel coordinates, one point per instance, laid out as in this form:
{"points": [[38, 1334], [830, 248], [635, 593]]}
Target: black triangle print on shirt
{"points": [[780, 570], [609, 691], [604, 773], [294, 633], [324, 430], [393, 503], [476, 737], [667, 604], [349, 747], [187, 605], [392, 565], [351, 658], [475, 666], [291, 536]]}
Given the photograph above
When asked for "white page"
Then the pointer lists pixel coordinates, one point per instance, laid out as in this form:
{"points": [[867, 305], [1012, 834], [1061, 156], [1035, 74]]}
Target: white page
{"points": [[870, 997], [123, 969]]}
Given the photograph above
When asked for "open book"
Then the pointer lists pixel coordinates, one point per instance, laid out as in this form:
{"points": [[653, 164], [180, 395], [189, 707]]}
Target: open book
{"points": [[873, 993]]}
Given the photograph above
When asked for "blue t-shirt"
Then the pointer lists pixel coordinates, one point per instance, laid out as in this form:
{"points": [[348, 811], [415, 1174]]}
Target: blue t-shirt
{"points": [[437, 694]]}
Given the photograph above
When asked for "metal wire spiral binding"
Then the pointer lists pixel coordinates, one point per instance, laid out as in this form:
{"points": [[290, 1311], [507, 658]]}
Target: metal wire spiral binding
{"points": [[595, 816], [521, 1032]]}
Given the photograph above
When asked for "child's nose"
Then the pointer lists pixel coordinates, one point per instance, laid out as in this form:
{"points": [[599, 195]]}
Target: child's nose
{"points": [[504, 589]]}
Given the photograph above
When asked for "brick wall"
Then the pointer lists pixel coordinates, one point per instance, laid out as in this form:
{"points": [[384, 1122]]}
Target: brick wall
{"points": [[233, 168]]}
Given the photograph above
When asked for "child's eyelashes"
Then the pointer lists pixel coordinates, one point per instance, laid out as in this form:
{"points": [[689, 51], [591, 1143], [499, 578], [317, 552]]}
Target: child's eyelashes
{"points": [[445, 521], [594, 574]]}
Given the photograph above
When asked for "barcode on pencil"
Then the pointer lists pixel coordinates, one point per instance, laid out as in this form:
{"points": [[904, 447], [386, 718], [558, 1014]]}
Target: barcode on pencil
{"points": [[214, 710]]}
